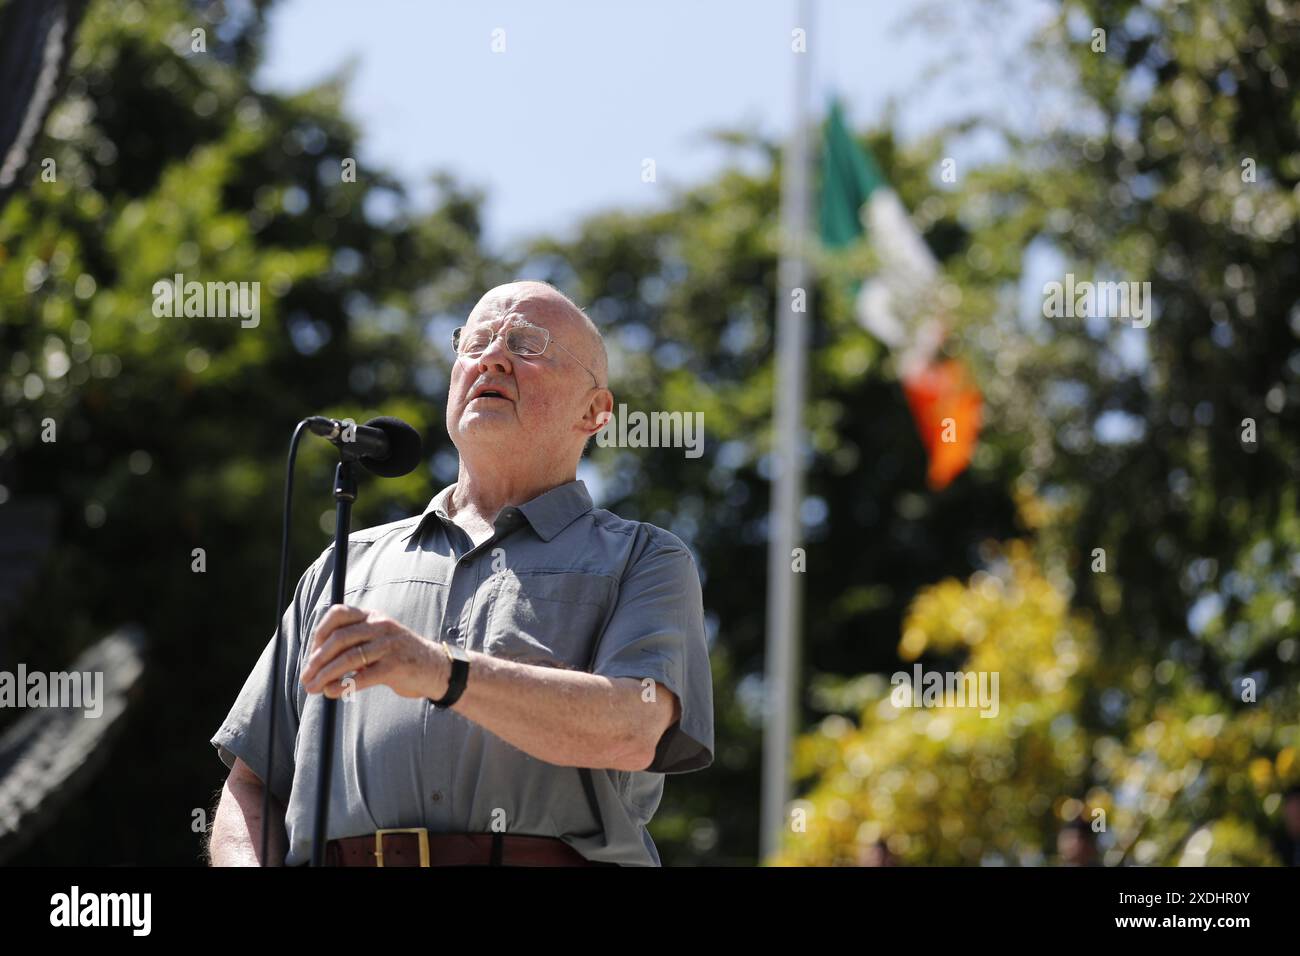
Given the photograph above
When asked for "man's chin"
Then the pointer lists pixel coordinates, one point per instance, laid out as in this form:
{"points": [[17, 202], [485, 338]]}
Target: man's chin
{"points": [[483, 423]]}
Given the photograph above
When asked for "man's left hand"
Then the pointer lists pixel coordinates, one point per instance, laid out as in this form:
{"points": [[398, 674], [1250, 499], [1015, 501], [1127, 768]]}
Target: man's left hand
{"points": [[379, 649]]}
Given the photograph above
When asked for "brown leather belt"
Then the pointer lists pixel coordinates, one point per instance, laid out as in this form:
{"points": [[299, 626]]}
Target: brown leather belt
{"points": [[418, 847]]}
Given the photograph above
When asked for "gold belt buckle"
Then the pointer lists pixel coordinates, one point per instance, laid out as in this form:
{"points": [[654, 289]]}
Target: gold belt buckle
{"points": [[424, 843]]}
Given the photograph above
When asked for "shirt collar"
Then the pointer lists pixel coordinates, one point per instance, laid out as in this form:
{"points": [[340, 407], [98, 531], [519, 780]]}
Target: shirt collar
{"points": [[437, 505], [549, 513], [553, 511]]}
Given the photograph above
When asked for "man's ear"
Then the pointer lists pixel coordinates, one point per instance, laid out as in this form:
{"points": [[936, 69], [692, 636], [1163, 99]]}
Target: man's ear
{"points": [[599, 411]]}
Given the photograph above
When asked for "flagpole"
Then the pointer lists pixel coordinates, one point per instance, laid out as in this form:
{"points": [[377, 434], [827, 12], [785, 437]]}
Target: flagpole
{"points": [[785, 530]]}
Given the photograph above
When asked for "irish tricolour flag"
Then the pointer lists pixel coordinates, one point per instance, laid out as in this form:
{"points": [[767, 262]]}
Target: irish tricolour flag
{"points": [[898, 305]]}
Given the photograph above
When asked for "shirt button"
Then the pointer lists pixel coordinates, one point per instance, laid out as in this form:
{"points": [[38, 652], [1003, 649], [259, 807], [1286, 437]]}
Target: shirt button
{"points": [[452, 632], [436, 795]]}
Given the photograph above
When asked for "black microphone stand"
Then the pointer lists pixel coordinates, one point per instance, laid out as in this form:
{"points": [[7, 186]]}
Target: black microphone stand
{"points": [[345, 493], [390, 448]]}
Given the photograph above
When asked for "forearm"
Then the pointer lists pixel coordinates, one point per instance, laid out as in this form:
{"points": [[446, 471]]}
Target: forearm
{"points": [[568, 718], [237, 828]]}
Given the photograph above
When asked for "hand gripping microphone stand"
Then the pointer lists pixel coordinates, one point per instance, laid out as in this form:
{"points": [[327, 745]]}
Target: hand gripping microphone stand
{"points": [[388, 447]]}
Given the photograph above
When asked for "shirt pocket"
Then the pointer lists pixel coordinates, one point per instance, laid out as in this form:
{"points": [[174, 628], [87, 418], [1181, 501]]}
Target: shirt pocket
{"points": [[550, 618]]}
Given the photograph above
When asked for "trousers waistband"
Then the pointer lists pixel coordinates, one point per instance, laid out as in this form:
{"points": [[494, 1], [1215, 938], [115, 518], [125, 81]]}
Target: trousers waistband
{"points": [[416, 846]]}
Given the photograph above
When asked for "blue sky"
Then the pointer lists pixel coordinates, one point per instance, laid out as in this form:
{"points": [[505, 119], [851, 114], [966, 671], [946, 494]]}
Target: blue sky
{"points": [[557, 125]]}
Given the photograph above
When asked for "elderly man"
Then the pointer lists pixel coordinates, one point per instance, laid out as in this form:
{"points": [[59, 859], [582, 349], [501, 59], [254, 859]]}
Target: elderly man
{"points": [[518, 670]]}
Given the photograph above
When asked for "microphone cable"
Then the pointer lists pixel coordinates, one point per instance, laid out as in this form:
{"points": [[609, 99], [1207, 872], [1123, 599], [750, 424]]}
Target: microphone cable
{"points": [[279, 636]]}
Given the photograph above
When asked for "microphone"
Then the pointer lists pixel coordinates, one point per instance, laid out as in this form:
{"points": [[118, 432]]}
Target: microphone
{"points": [[385, 446]]}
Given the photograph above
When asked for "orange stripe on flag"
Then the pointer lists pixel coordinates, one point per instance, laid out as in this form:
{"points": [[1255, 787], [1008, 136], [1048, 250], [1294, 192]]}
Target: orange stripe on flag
{"points": [[940, 391]]}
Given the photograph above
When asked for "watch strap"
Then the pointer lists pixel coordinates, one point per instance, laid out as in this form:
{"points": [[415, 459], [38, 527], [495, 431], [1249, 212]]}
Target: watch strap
{"points": [[459, 675]]}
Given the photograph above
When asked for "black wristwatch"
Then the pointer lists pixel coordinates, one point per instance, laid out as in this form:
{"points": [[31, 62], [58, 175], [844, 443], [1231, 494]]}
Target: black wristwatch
{"points": [[459, 675]]}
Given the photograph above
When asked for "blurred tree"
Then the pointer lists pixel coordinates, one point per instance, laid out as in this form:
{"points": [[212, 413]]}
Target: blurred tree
{"points": [[169, 434], [960, 784], [1158, 462]]}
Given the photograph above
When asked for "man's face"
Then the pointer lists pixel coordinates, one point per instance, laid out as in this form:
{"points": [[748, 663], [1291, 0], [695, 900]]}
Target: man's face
{"points": [[539, 400]]}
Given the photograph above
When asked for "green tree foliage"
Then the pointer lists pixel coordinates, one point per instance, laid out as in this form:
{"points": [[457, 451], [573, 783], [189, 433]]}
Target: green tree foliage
{"points": [[1171, 448], [948, 785]]}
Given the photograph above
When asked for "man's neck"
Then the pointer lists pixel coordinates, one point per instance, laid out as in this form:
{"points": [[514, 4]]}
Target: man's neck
{"points": [[480, 495]]}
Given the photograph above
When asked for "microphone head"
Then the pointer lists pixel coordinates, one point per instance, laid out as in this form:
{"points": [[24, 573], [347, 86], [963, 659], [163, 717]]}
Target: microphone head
{"points": [[404, 448]]}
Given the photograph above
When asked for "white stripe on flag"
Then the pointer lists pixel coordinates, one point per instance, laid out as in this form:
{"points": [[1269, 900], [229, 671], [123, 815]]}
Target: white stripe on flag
{"points": [[893, 306]]}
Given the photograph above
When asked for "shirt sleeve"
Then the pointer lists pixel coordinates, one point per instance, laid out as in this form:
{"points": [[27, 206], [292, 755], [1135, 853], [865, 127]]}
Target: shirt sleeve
{"points": [[657, 630], [244, 732]]}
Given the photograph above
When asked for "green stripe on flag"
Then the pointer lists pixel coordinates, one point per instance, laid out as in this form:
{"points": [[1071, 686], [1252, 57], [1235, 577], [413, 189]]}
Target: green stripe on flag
{"points": [[849, 176]]}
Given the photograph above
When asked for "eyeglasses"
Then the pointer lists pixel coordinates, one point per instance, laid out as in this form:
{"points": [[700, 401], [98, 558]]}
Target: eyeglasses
{"points": [[521, 338]]}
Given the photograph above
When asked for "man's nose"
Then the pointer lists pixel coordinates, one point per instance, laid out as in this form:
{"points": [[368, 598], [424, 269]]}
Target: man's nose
{"points": [[495, 356]]}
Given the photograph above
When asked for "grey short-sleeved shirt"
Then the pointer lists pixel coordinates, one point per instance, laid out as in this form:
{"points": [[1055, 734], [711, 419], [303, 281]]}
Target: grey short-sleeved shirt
{"points": [[556, 580]]}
